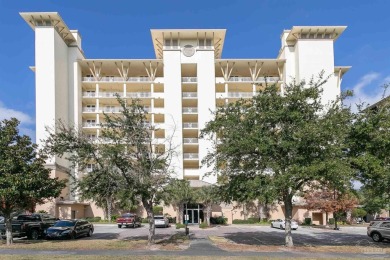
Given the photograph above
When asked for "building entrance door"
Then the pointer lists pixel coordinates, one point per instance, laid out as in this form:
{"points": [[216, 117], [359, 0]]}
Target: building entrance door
{"points": [[194, 212]]}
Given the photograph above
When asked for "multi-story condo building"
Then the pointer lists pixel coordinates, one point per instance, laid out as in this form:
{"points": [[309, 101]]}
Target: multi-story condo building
{"points": [[187, 79]]}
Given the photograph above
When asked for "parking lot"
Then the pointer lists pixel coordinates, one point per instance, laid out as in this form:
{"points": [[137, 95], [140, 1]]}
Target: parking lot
{"points": [[250, 235]]}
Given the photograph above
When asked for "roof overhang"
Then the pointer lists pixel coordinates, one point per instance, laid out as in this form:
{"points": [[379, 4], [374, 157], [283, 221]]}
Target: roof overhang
{"points": [[315, 32], [342, 69], [159, 35], [49, 19]]}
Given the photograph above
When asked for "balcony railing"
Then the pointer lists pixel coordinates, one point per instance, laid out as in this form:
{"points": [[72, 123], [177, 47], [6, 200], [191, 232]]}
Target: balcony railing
{"points": [[249, 79], [191, 156], [189, 79], [190, 140], [117, 79], [139, 94], [190, 94], [190, 110], [89, 109], [110, 94], [112, 109], [190, 125], [240, 94], [89, 94], [90, 124]]}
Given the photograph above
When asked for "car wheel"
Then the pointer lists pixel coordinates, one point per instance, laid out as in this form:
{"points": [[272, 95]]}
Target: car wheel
{"points": [[119, 226], [376, 237], [281, 227], [34, 234], [90, 232]]}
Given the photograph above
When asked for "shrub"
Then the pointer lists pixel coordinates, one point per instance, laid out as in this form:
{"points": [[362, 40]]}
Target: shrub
{"points": [[114, 217], [331, 221], [157, 210], [307, 221], [172, 220], [94, 219], [358, 213], [255, 220], [243, 221], [144, 220], [203, 225], [42, 211], [218, 220], [178, 226]]}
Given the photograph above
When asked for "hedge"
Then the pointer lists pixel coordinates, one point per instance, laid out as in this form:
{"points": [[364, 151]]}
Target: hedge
{"points": [[243, 221]]}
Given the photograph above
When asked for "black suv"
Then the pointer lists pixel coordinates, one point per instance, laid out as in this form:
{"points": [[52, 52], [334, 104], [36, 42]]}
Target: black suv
{"points": [[379, 230]]}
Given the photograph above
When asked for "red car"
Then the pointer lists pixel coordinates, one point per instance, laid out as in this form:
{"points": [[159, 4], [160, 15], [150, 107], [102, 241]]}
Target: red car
{"points": [[128, 220]]}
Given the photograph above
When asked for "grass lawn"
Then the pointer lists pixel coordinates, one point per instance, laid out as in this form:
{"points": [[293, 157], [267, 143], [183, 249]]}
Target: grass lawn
{"points": [[176, 242], [229, 245]]}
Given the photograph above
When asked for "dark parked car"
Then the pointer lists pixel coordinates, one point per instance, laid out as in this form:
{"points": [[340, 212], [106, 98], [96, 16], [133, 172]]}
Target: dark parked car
{"points": [[71, 229], [31, 225]]}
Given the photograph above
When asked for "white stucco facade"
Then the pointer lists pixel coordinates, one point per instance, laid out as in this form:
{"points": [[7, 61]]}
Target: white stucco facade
{"points": [[187, 80]]}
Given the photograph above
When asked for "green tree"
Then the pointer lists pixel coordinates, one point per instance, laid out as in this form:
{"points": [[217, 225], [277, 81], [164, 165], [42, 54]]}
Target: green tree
{"points": [[292, 138], [24, 180], [125, 154], [245, 189], [178, 193], [370, 151]]}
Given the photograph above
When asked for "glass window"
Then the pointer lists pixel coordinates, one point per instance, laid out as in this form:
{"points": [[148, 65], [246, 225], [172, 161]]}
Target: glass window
{"points": [[385, 224]]}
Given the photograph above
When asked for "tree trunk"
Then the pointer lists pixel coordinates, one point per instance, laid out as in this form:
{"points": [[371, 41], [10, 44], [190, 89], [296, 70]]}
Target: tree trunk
{"points": [[109, 209], [148, 205], [208, 211], [180, 215], [8, 229], [245, 211], [326, 218], [288, 211]]}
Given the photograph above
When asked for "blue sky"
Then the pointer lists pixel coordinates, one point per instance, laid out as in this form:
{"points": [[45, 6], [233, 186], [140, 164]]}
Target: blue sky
{"points": [[121, 29]]}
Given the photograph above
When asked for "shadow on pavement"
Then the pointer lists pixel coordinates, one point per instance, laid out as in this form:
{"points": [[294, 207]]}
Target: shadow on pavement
{"points": [[317, 239]]}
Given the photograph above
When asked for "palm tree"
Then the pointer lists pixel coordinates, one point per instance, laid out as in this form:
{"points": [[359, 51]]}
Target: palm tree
{"points": [[177, 193], [208, 196]]}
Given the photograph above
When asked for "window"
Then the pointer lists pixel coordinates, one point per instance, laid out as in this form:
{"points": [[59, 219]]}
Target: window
{"points": [[385, 225]]}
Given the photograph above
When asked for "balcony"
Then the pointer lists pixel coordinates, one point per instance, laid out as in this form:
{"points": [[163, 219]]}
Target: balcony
{"points": [[249, 79], [117, 79], [112, 109], [190, 110], [191, 156], [190, 140], [190, 125], [190, 95], [240, 94], [89, 94], [90, 109], [189, 79], [110, 94], [90, 124], [139, 94]]}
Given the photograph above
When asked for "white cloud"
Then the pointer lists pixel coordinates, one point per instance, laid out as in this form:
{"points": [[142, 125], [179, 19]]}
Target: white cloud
{"points": [[368, 90], [25, 120]]}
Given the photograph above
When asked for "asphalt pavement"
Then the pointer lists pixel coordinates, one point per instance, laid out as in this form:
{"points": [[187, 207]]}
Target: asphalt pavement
{"points": [[200, 245]]}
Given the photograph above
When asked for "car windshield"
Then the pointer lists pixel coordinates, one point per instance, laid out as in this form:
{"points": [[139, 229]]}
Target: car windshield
{"points": [[64, 224], [158, 217], [127, 215]]}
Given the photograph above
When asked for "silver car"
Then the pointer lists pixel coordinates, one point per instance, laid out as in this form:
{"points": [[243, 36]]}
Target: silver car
{"points": [[280, 223], [161, 221], [379, 230]]}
